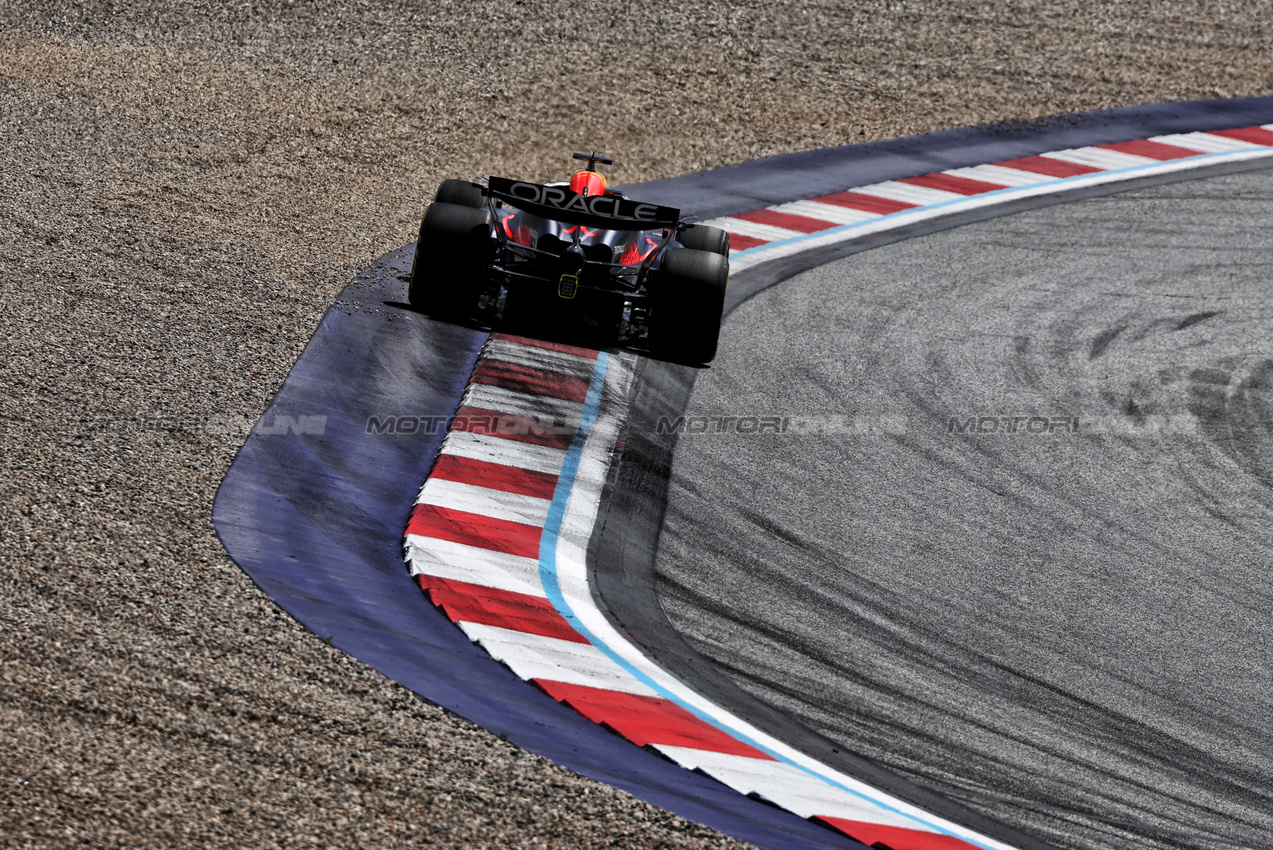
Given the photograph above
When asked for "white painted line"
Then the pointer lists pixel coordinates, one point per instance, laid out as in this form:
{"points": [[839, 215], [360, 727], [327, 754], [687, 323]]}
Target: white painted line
{"points": [[756, 231], [502, 451], [475, 499], [1099, 158], [547, 410], [1205, 142], [538, 657], [460, 562], [1000, 175], [919, 195], [826, 212], [787, 787], [543, 359]]}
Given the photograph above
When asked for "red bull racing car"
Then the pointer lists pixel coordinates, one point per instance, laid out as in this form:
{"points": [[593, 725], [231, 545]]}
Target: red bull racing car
{"points": [[574, 256]]}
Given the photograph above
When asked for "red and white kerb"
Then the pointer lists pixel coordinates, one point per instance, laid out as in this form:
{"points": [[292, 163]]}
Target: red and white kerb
{"points": [[941, 192]]}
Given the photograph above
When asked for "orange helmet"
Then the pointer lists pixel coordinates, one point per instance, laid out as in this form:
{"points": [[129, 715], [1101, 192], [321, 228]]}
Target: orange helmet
{"points": [[590, 183]]}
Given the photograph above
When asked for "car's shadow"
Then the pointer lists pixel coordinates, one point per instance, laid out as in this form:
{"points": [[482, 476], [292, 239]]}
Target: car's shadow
{"points": [[562, 334]]}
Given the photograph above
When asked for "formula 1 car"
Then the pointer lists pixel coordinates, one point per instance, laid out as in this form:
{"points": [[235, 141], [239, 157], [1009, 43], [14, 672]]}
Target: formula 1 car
{"points": [[573, 255]]}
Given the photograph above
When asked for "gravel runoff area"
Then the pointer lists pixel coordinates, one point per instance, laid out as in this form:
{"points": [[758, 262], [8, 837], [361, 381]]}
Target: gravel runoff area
{"points": [[185, 188]]}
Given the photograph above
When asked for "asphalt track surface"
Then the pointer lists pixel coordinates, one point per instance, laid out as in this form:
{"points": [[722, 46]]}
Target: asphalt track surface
{"points": [[1066, 631]]}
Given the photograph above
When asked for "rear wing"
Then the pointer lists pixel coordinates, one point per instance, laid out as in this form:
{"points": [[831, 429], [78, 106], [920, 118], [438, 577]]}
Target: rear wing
{"points": [[559, 203]]}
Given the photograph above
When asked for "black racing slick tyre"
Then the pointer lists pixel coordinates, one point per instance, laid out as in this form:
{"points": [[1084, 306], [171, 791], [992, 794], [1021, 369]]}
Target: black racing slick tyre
{"points": [[704, 237], [687, 299], [451, 260], [461, 193]]}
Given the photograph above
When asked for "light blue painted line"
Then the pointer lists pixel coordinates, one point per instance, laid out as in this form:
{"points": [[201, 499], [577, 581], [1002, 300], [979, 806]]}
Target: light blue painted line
{"points": [[561, 495], [1059, 183], [552, 588]]}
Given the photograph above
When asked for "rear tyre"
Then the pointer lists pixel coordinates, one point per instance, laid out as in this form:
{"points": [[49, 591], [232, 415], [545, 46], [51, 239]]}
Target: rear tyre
{"points": [[687, 296], [451, 260], [462, 193], [704, 237]]}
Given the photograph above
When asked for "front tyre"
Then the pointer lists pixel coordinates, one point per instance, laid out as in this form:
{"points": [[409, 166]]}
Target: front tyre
{"points": [[451, 259], [687, 295]]}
